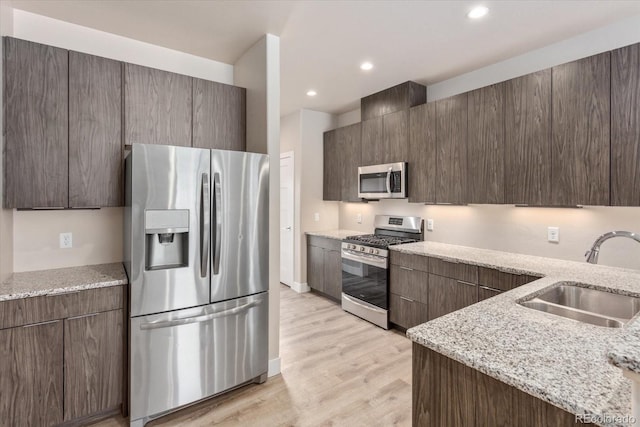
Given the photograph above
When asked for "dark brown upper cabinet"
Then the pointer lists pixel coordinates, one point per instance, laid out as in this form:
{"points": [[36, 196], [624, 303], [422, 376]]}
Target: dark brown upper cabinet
{"points": [[485, 148], [373, 145], [349, 147], [527, 127], [422, 152], [625, 126], [157, 106], [95, 131], [395, 131], [36, 102], [396, 98], [451, 139], [219, 116], [580, 145], [332, 182]]}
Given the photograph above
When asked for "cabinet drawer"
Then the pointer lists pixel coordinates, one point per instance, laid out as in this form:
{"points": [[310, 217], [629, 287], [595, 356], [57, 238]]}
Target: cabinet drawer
{"points": [[454, 270], [447, 295], [409, 283], [416, 262], [501, 280], [486, 293], [325, 243], [25, 311], [406, 312]]}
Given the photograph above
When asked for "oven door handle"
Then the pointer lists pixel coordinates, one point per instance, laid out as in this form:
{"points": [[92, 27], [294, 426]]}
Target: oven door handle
{"points": [[375, 261]]}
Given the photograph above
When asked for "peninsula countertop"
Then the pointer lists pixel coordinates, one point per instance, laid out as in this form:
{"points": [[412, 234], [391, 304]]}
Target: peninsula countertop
{"points": [[62, 280], [563, 362]]}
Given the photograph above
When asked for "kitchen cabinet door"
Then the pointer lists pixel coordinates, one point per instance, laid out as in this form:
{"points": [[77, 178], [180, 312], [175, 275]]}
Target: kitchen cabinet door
{"points": [[396, 98], [332, 182], [451, 137], [32, 375], [333, 274], [95, 131], [447, 295], [315, 268], [422, 153], [36, 102], [486, 293], [219, 116], [409, 283], [349, 138], [580, 132], [406, 312], [93, 363], [157, 107], [373, 144], [485, 153], [527, 125], [395, 130], [625, 126]]}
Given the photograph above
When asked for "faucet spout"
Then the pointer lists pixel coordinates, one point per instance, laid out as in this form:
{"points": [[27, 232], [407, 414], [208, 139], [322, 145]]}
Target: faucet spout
{"points": [[592, 254]]}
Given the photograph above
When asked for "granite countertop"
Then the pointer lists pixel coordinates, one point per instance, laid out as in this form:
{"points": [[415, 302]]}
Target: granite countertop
{"points": [[62, 280], [334, 234], [563, 362]]}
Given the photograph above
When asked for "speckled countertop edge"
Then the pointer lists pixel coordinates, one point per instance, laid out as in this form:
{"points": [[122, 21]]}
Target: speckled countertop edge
{"points": [[563, 362], [62, 280], [334, 234]]}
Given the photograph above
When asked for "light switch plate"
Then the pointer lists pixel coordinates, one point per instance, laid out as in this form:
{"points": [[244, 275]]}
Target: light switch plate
{"points": [[553, 234], [316, 217], [429, 225], [66, 240], [359, 218]]}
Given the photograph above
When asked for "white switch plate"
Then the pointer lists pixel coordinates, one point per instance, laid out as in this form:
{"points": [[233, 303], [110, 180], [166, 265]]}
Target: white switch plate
{"points": [[316, 217], [66, 240], [553, 234], [359, 218], [429, 225]]}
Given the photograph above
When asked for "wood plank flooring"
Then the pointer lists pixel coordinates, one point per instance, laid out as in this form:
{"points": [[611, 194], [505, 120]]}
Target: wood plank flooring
{"points": [[337, 370]]}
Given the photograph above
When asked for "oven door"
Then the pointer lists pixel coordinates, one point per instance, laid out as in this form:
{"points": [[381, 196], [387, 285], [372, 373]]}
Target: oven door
{"points": [[364, 277]]}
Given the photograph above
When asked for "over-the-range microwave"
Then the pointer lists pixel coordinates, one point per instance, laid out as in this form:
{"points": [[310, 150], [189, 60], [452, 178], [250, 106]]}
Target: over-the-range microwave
{"points": [[388, 181]]}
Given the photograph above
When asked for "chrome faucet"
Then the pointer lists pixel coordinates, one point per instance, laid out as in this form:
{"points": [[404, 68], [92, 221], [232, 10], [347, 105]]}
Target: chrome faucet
{"points": [[592, 254]]}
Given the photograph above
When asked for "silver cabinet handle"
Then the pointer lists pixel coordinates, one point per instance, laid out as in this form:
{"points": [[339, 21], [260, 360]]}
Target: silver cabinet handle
{"points": [[218, 213], [407, 299], [490, 289], [462, 282], [205, 229], [198, 319], [405, 268]]}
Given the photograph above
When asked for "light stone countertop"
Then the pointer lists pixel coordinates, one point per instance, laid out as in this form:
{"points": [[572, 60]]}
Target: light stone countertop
{"points": [[62, 280], [335, 234], [563, 362]]}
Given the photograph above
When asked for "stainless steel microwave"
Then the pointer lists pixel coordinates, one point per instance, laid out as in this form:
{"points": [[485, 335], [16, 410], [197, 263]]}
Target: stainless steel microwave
{"points": [[388, 181]]}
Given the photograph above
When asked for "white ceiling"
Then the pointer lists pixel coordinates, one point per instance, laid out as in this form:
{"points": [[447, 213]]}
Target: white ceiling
{"points": [[323, 42]]}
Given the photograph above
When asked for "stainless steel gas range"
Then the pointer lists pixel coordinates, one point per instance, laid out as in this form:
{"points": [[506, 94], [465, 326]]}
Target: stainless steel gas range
{"points": [[365, 266]]}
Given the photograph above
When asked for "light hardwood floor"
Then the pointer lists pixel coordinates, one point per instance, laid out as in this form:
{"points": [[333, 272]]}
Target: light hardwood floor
{"points": [[337, 370]]}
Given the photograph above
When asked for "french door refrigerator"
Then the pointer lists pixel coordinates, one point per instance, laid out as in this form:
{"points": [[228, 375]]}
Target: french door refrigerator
{"points": [[196, 254]]}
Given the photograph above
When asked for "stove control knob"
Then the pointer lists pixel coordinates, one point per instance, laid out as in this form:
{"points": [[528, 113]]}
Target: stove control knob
{"points": [[376, 252], [351, 247], [371, 251], [361, 248]]}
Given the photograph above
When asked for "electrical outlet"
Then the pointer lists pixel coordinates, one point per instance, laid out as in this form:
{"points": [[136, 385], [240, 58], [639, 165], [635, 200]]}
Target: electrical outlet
{"points": [[316, 217], [66, 240], [359, 218], [429, 225], [553, 234]]}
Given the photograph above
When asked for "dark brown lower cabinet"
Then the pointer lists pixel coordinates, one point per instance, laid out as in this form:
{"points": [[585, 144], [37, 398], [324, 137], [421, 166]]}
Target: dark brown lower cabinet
{"points": [[315, 268], [486, 293], [449, 393], [447, 295], [93, 362], [406, 312], [333, 274], [31, 383], [324, 266]]}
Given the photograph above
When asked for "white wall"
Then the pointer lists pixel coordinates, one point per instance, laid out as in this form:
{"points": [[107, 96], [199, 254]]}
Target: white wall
{"points": [[258, 70], [349, 118], [97, 235], [6, 215], [521, 230]]}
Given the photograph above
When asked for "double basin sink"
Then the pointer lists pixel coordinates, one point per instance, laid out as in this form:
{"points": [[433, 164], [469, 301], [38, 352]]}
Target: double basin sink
{"points": [[592, 306]]}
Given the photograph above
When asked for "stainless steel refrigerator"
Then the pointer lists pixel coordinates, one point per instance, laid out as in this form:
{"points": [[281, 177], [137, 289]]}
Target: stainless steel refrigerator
{"points": [[196, 253]]}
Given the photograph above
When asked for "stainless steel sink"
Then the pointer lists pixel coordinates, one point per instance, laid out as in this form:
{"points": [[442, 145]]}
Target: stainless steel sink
{"points": [[586, 305]]}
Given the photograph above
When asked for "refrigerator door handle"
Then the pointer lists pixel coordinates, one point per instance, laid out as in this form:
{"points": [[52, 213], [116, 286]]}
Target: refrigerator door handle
{"points": [[198, 319], [205, 228], [218, 220]]}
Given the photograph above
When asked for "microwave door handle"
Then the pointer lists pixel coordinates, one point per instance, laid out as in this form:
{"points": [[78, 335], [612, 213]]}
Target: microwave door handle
{"points": [[205, 227], [218, 222], [389, 181]]}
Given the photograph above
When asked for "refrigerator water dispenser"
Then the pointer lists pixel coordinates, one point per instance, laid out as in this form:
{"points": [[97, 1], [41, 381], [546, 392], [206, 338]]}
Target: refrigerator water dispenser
{"points": [[166, 238]]}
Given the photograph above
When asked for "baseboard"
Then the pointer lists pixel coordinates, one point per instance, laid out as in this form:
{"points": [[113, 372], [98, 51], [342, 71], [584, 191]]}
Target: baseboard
{"points": [[274, 367], [300, 287]]}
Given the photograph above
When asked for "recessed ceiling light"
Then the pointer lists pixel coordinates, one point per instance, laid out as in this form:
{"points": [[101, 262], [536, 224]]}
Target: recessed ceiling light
{"points": [[478, 12], [366, 66], [312, 93]]}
